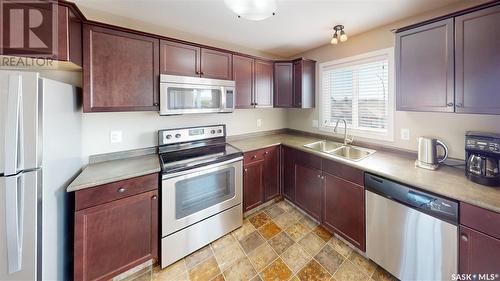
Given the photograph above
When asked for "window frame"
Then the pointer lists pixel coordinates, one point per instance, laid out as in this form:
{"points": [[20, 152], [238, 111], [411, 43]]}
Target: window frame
{"points": [[352, 61]]}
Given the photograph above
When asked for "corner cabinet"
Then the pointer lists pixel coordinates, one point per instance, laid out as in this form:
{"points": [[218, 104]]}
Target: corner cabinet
{"points": [[120, 70], [477, 61], [261, 181], [294, 83], [425, 68], [116, 227]]}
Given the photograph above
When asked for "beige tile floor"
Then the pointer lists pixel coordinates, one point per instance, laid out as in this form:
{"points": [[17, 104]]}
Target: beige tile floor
{"points": [[276, 243]]}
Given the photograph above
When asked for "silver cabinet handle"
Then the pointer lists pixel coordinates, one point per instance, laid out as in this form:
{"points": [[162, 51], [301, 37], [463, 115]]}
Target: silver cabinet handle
{"points": [[14, 220], [121, 190], [13, 128], [450, 104], [459, 104], [154, 197], [464, 237]]}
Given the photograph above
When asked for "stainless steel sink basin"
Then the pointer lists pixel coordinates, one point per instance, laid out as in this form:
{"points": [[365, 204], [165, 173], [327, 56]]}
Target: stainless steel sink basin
{"points": [[336, 149], [324, 146], [352, 153]]}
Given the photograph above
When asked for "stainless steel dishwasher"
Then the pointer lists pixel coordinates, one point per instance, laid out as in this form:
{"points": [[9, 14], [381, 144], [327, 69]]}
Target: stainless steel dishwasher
{"points": [[410, 233]]}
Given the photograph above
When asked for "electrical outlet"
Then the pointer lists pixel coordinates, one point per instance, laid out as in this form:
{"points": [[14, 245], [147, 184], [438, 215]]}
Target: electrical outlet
{"points": [[315, 124], [405, 134], [115, 136], [259, 123]]}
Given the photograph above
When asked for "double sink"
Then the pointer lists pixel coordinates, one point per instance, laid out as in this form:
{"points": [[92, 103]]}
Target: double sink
{"points": [[336, 149]]}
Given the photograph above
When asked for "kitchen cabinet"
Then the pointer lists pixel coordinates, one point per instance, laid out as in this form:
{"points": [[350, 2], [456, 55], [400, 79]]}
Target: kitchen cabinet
{"points": [[263, 83], [304, 75], [65, 45], [425, 68], [479, 240], [116, 227], [476, 61], [288, 173], [121, 70], [243, 74], [309, 190], [192, 60], [283, 84], [344, 209], [295, 84], [260, 176]]}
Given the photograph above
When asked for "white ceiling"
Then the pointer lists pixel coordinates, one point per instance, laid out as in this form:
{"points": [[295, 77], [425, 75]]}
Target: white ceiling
{"points": [[298, 25]]}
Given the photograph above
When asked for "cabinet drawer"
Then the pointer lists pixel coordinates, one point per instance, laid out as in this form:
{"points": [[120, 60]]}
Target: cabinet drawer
{"points": [[253, 156], [113, 191], [343, 171], [480, 219]]}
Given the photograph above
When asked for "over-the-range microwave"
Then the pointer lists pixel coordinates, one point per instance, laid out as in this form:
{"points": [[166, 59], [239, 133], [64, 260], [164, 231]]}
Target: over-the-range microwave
{"points": [[185, 95]]}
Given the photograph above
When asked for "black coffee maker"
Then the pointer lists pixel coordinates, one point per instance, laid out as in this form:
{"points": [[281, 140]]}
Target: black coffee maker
{"points": [[482, 157]]}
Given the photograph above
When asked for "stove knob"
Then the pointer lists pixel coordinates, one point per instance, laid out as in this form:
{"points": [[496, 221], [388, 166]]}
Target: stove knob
{"points": [[169, 137], [212, 132], [219, 131], [177, 135]]}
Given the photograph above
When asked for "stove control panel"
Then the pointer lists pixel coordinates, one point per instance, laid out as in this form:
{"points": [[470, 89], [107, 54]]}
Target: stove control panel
{"points": [[172, 136]]}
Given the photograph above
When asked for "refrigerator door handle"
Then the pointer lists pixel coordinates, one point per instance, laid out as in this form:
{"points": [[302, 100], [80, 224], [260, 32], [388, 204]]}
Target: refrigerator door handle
{"points": [[13, 127], [14, 210]]}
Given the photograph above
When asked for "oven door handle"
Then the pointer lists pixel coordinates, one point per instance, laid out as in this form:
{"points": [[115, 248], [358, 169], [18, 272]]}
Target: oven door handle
{"points": [[204, 168]]}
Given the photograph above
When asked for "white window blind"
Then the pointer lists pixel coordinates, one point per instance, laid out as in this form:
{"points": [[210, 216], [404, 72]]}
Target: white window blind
{"points": [[357, 90]]}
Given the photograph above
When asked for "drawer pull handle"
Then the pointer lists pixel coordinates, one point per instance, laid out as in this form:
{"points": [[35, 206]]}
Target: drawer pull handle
{"points": [[464, 237], [121, 190], [266, 153], [254, 156], [154, 197]]}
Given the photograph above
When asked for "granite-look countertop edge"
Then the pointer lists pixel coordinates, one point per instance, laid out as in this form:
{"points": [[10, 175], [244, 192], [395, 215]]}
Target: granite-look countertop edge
{"points": [[115, 170], [446, 181]]}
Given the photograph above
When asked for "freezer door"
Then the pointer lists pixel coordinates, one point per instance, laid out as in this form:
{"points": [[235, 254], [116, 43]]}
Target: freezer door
{"points": [[19, 111], [18, 226]]}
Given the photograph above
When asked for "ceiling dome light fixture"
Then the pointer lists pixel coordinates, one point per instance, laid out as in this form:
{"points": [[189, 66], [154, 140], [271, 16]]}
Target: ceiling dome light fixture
{"points": [[252, 9], [338, 35]]}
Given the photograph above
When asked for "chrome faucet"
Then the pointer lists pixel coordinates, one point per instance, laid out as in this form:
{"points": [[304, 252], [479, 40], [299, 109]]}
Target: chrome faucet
{"points": [[347, 140]]}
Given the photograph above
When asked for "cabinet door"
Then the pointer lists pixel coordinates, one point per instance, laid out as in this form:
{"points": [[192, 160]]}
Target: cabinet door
{"points": [[116, 236], [253, 185], [477, 45], [309, 190], [288, 173], [479, 253], [297, 84], [283, 84], [179, 59], [263, 83], [216, 64], [344, 209], [243, 68], [120, 70], [271, 173], [425, 68]]}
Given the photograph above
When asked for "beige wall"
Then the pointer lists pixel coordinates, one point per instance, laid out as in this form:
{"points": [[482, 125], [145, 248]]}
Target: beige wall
{"points": [[448, 127]]}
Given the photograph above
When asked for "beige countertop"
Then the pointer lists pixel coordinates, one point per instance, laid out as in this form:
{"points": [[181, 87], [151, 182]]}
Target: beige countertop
{"points": [[446, 181], [114, 170]]}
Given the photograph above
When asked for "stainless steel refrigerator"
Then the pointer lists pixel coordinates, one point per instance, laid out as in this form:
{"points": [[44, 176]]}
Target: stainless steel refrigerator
{"points": [[40, 153]]}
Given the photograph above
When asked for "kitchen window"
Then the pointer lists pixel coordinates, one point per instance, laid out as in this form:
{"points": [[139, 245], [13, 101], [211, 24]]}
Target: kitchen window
{"points": [[360, 90]]}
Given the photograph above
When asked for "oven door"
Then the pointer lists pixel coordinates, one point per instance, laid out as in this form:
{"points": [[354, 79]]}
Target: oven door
{"points": [[191, 196], [191, 98]]}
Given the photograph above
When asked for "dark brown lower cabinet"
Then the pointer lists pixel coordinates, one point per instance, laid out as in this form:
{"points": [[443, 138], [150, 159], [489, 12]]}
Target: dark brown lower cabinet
{"points": [[113, 237], [344, 209], [253, 185], [479, 253], [261, 176], [309, 190], [288, 173]]}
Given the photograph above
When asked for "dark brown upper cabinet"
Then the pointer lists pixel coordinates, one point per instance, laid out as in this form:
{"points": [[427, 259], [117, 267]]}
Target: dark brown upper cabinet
{"points": [[425, 68], [263, 83], [216, 64], [66, 45], [477, 61], [295, 84], [179, 59], [120, 70], [283, 84], [192, 60], [304, 76], [243, 73]]}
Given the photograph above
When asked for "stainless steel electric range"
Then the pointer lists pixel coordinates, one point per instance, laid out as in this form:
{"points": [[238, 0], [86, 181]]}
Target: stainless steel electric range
{"points": [[201, 190]]}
